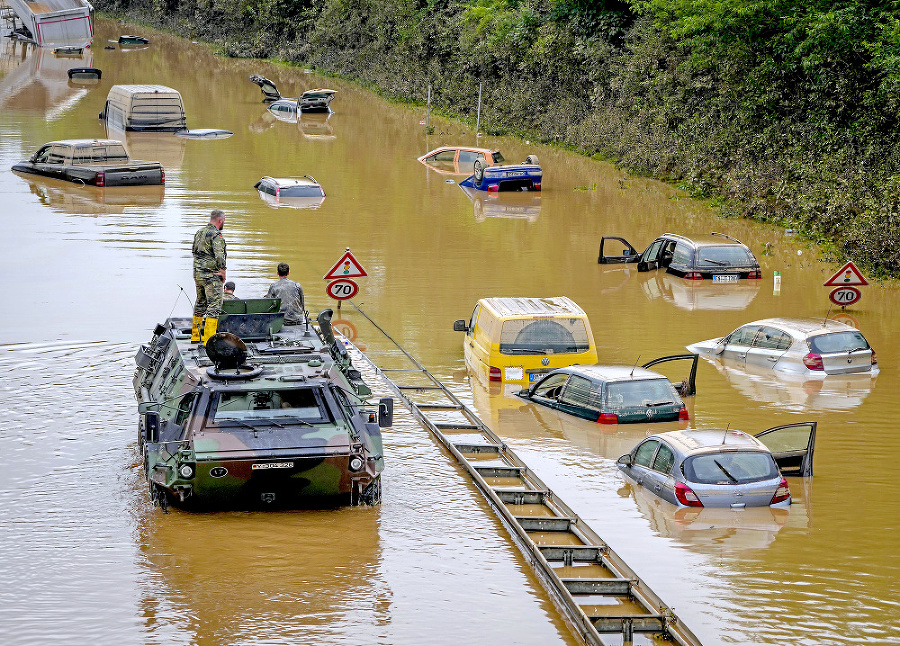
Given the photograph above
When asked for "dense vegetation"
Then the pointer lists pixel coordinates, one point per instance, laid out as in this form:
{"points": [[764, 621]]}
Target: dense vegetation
{"points": [[782, 110]]}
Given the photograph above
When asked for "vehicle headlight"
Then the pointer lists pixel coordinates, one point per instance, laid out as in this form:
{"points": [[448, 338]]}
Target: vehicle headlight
{"points": [[186, 471], [356, 463]]}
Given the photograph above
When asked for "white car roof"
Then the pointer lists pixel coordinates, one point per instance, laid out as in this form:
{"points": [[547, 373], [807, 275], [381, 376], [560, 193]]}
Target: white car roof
{"points": [[615, 373], [711, 439], [806, 327]]}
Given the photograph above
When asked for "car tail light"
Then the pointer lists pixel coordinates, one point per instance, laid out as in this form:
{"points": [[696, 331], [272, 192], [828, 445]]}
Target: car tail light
{"points": [[683, 414], [686, 495], [537, 187], [813, 361], [782, 493], [608, 418], [494, 374], [277, 191], [162, 175], [874, 358], [101, 178], [693, 275], [755, 274], [493, 189]]}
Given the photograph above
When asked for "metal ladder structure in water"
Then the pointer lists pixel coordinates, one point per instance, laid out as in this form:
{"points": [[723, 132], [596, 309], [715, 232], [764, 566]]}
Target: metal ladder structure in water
{"points": [[602, 598]]}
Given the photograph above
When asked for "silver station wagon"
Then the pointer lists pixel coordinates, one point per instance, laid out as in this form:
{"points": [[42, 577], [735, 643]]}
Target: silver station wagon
{"points": [[722, 467], [813, 347]]}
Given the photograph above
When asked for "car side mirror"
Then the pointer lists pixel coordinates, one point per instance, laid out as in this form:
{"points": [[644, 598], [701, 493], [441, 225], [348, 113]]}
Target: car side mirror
{"points": [[628, 252], [460, 326], [151, 427], [625, 460], [385, 412], [720, 346]]}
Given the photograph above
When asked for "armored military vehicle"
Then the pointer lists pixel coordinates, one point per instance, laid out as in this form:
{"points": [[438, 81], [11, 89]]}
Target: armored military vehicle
{"points": [[264, 415]]}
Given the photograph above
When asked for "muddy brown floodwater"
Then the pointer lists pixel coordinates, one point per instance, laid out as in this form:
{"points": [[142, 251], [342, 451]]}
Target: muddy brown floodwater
{"points": [[87, 273]]}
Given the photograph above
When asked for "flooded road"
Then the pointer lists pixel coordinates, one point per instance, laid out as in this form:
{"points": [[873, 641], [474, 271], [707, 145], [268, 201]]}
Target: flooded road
{"points": [[88, 272]]}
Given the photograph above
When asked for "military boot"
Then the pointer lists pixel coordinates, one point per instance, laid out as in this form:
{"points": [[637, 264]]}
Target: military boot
{"points": [[196, 325], [210, 329]]}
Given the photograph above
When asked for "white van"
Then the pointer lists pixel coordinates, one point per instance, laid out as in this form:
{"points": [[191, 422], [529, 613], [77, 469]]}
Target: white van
{"points": [[144, 107]]}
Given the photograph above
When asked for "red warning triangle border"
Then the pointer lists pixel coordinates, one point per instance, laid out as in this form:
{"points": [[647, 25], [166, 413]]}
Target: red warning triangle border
{"points": [[848, 275], [355, 270]]}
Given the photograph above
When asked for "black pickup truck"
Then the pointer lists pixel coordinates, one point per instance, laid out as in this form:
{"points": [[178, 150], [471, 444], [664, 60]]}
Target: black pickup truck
{"points": [[99, 162]]}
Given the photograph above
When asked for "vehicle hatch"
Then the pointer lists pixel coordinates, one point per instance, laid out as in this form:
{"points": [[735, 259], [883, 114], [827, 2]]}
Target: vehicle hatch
{"points": [[842, 352]]}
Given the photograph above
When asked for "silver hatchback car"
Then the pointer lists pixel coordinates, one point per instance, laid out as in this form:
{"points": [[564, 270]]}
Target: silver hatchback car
{"points": [[722, 467], [813, 347]]}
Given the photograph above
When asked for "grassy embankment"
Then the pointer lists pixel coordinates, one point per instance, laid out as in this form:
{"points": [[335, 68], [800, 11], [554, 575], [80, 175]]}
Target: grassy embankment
{"points": [[779, 110]]}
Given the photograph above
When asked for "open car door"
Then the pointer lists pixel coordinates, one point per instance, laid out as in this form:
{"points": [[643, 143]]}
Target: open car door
{"points": [[792, 447], [688, 386], [629, 253]]}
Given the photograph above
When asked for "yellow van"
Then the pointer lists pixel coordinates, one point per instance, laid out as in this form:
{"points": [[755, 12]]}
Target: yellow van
{"points": [[519, 339]]}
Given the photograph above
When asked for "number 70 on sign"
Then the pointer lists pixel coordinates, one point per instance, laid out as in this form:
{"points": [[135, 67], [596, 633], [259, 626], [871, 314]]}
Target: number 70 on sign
{"points": [[342, 289]]}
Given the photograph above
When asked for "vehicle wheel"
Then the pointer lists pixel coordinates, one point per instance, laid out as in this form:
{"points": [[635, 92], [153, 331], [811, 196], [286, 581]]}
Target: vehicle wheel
{"points": [[479, 171], [532, 159]]}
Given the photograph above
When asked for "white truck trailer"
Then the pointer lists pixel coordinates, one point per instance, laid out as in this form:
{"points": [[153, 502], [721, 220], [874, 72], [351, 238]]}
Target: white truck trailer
{"points": [[55, 22]]}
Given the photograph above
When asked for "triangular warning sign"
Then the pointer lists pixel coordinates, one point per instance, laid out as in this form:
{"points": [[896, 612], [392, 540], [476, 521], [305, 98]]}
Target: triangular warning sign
{"points": [[847, 275], [346, 267]]}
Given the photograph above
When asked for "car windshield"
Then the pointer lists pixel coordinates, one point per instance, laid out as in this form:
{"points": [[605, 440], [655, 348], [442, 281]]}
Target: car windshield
{"points": [[497, 157], [303, 403], [725, 256], [838, 342], [730, 467], [544, 336], [644, 392]]}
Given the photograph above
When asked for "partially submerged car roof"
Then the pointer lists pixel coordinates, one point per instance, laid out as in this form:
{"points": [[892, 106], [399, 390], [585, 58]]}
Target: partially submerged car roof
{"points": [[707, 239], [614, 373], [487, 152], [84, 142], [530, 307], [291, 181], [707, 440], [809, 327]]}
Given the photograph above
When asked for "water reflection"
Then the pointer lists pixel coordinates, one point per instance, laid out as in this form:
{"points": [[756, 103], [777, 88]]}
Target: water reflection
{"points": [[163, 147], [795, 391], [524, 205], [298, 574], [70, 197], [36, 79], [316, 126], [710, 530], [684, 294]]}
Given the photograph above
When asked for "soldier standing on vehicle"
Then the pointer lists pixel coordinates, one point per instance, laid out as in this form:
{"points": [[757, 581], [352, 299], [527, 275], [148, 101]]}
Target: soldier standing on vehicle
{"points": [[291, 295], [209, 274]]}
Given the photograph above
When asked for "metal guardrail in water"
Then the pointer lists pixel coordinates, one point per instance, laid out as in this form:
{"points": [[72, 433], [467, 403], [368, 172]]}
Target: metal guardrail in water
{"points": [[602, 598]]}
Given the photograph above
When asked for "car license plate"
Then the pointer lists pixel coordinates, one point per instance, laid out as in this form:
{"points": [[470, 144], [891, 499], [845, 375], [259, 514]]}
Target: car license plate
{"points": [[534, 376], [518, 173], [726, 278]]}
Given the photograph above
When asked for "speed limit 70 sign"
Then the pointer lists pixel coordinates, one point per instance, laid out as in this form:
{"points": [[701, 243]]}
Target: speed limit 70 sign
{"points": [[342, 289], [845, 296]]}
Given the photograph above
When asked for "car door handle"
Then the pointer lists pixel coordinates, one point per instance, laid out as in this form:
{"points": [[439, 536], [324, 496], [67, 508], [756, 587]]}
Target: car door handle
{"points": [[640, 481], [742, 356], [772, 359], [657, 488]]}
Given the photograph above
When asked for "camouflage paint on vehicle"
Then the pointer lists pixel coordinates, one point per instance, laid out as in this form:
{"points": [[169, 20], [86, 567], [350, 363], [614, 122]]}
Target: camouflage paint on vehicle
{"points": [[289, 427]]}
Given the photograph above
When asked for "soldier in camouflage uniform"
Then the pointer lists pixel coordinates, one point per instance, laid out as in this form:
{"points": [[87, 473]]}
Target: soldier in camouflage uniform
{"points": [[229, 291], [209, 274], [291, 295]]}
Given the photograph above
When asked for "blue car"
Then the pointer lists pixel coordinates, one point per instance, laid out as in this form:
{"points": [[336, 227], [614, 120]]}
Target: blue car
{"points": [[513, 177]]}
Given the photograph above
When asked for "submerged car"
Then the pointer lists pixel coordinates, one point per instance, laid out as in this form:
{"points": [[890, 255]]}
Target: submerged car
{"points": [[303, 193], [459, 160], [526, 176], [812, 347], [715, 257], [513, 339], [284, 110], [611, 394], [722, 467]]}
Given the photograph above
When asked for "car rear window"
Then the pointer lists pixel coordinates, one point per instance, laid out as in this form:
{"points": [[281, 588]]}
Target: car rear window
{"points": [[544, 336], [838, 342], [725, 256], [645, 392], [301, 190], [497, 157], [730, 467]]}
